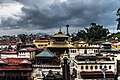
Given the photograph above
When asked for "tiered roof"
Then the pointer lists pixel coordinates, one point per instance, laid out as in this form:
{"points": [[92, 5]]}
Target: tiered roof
{"points": [[60, 34]]}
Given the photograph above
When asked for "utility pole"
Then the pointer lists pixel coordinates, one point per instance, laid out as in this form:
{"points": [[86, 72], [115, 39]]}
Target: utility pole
{"points": [[67, 29]]}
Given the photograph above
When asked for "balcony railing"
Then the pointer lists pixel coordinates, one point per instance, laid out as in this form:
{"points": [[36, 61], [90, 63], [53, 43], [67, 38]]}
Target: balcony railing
{"points": [[46, 65]]}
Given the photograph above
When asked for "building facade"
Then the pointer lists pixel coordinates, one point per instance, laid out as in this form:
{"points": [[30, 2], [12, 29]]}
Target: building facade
{"points": [[15, 68], [91, 67]]}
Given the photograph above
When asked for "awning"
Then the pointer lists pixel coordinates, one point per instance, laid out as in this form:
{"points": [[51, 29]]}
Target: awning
{"points": [[96, 74]]}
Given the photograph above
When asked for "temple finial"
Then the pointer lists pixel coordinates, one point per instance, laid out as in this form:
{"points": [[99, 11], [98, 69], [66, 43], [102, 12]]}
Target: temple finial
{"points": [[60, 29]]}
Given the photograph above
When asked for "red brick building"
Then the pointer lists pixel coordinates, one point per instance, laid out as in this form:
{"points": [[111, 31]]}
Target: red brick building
{"points": [[15, 69]]}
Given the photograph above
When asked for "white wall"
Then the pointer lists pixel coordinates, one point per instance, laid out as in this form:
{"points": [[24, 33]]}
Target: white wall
{"points": [[24, 54], [3, 56]]}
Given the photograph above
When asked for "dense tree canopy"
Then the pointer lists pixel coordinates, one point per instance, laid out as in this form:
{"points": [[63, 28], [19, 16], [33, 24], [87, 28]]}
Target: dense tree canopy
{"points": [[93, 33]]}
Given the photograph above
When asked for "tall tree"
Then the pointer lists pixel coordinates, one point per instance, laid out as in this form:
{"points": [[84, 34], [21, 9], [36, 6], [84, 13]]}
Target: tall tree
{"points": [[96, 32], [22, 37], [118, 19], [93, 33]]}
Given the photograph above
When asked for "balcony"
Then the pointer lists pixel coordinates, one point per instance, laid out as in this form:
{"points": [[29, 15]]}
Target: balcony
{"points": [[47, 66]]}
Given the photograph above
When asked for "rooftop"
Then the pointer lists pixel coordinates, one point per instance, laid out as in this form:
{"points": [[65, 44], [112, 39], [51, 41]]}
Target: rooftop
{"points": [[45, 53], [60, 34], [106, 43], [41, 41], [15, 61], [8, 52], [80, 42], [60, 45], [91, 58], [28, 49]]}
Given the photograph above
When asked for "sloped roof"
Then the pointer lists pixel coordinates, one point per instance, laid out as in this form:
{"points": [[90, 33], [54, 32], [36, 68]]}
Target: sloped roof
{"points": [[118, 43], [28, 49], [80, 42], [95, 72], [60, 34], [25, 61], [41, 41], [9, 52], [1, 61], [58, 45], [14, 61], [108, 50], [107, 43], [45, 53]]}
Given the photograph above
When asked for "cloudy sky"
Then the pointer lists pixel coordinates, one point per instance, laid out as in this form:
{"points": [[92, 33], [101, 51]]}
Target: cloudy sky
{"points": [[32, 16]]}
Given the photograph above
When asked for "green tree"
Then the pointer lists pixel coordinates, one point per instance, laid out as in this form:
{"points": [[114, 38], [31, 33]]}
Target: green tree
{"points": [[80, 35], [96, 32], [93, 33], [118, 19], [22, 37]]}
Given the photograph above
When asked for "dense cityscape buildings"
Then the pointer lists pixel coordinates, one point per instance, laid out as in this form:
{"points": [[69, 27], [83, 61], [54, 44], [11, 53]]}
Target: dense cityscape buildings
{"points": [[90, 53], [57, 57]]}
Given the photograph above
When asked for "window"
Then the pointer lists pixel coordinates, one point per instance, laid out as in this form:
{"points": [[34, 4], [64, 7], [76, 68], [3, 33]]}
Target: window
{"points": [[1, 66], [109, 67], [96, 67], [100, 67], [105, 66], [81, 67], [113, 58], [96, 50], [75, 51], [86, 67], [91, 67], [25, 66]]}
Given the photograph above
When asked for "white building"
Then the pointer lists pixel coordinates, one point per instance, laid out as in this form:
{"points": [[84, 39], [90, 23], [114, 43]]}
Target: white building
{"points": [[27, 52], [8, 54], [7, 45], [92, 67]]}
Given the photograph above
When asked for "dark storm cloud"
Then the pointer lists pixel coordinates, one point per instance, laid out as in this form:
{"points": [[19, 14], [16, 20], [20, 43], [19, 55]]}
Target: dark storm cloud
{"points": [[46, 14]]}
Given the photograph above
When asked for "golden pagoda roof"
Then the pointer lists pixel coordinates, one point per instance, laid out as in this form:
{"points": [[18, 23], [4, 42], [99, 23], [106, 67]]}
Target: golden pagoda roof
{"points": [[58, 45], [60, 34]]}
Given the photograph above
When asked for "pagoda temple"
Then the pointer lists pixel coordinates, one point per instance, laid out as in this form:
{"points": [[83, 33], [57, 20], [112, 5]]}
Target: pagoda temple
{"points": [[60, 44], [45, 61]]}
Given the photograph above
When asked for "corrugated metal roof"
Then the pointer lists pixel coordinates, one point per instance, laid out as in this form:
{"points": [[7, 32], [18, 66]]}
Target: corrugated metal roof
{"points": [[107, 43], [45, 53]]}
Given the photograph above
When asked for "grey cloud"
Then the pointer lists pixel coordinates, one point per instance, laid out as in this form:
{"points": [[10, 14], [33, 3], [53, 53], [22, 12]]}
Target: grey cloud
{"points": [[6, 1], [9, 23], [46, 14]]}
